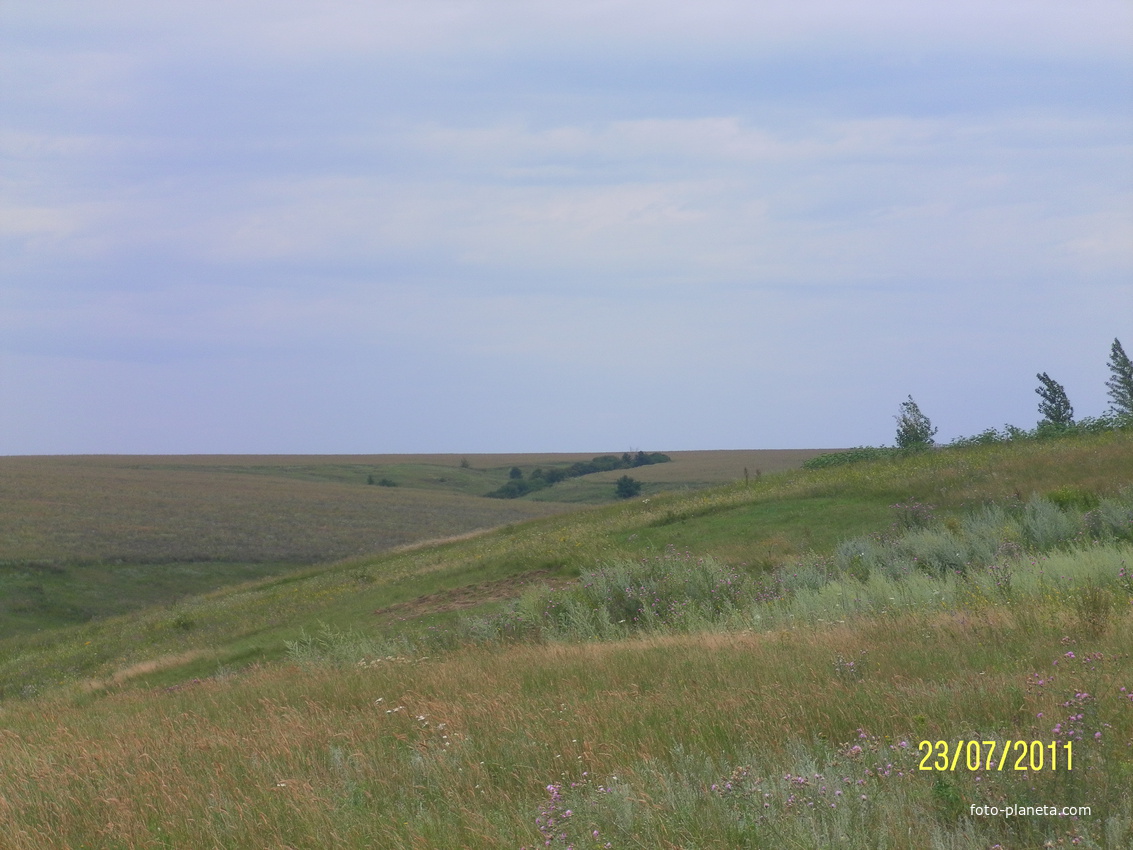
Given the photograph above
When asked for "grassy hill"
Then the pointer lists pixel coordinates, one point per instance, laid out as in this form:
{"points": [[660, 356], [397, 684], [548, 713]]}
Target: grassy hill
{"points": [[749, 665]]}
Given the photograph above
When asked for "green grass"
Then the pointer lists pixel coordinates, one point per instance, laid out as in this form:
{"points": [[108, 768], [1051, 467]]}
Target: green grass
{"points": [[191, 725], [45, 596]]}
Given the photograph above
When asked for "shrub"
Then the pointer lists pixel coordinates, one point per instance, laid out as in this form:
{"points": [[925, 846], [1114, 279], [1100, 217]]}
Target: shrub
{"points": [[517, 487], [861, 453], [627, 488], [1045, 525], [914, 514], [1073, 498]]}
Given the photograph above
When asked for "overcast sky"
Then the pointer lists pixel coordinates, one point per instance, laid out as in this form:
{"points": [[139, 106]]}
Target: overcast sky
{"points": [[275, 226]]}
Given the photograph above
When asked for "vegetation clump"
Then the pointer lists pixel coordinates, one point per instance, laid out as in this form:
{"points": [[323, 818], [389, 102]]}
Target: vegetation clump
{"points": [[540, 478], [627, 487], [914, 430]]}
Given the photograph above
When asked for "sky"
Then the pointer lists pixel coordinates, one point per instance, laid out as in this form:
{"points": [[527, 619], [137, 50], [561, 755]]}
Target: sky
{"points": [[286, 226]]}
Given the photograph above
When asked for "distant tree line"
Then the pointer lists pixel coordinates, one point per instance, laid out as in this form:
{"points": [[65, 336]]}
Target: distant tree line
{"points": [[540, 478], [915, 431]]}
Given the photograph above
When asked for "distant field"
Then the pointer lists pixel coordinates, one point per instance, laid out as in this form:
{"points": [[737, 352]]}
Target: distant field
{"points": [[84, 537], [292, 508], [152, 510]]}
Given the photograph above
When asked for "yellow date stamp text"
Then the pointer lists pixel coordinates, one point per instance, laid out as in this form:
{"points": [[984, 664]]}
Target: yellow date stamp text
{"points": [[997, 755]]}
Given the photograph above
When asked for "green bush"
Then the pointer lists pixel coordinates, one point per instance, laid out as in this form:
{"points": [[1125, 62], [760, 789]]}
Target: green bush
{"points": [[627, 488], [1073, 498]]}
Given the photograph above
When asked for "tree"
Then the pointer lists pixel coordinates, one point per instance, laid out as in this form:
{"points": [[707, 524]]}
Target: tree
{"points": [[1120, 383], [515, 473], [627, 487], [1055, 406], [914, 430]]}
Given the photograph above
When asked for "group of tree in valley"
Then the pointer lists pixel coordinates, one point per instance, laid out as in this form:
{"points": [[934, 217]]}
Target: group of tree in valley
{"points": [[539, 478]]}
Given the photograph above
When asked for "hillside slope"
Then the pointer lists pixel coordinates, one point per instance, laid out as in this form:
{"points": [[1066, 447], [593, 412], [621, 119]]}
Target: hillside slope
{"points": [[884, 651]]}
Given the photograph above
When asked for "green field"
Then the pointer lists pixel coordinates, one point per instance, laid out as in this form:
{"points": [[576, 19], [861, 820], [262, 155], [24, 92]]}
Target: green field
{"points": [[750, 664]]}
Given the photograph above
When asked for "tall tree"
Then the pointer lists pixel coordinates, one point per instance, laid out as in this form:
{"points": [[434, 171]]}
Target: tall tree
{"points": [[1120, 383], [914, 430], [1054, 405]]}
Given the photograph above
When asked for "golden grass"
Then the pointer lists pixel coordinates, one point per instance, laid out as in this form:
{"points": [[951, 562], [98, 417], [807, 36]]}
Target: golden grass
{"points": [[145, 668], [456, 751]]}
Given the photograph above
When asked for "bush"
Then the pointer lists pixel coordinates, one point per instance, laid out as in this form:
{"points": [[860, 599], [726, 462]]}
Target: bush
{"points": [[855, 455], [627, 488], [671, 592], [1073, 498], [517, 487]]}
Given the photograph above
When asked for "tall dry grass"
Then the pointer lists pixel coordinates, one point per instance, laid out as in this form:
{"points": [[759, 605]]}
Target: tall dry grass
{"points": [[459, 751]]}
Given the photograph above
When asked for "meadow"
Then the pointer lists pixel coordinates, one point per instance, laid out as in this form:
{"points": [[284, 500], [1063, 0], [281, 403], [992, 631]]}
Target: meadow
{"points": [[756, 664]]}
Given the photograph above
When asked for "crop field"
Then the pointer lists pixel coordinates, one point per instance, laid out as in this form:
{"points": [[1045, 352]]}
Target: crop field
{"points": [[285, 508], [89, 537], [830, 658]]}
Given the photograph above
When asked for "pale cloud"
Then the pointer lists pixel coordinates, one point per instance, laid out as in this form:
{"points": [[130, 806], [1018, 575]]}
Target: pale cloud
{"points": [[1103, 241], [677, 198], [301, 30], [409, 26], [648, 210]]}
